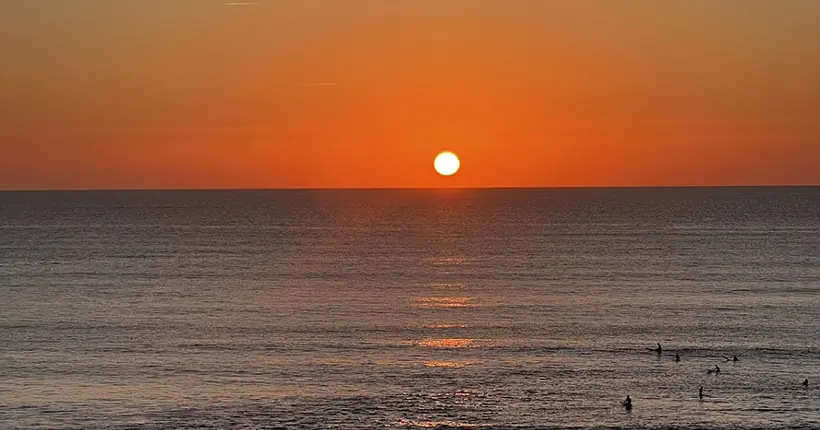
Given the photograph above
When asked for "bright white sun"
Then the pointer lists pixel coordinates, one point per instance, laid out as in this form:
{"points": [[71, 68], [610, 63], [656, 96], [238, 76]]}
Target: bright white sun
{"points": [[446, 163]]}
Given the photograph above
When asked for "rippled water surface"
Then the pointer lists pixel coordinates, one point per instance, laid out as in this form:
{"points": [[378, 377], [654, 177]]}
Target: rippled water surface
{"points": [[410, 309]]}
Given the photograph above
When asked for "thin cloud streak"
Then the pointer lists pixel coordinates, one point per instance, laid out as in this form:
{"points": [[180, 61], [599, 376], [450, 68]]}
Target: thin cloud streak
{"points": [[321, 84]]}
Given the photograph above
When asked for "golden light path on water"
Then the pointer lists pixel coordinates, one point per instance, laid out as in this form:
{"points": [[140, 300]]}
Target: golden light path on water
{"points": [[445, 302], [447, 310], [446, 343]]}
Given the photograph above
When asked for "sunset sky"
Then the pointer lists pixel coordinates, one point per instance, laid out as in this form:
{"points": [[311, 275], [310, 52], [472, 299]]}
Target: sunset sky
{"points": [[364, 93]]}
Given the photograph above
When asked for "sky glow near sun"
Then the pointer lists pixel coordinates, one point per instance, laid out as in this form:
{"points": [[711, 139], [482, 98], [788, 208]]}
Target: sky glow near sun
{"points": [[329, 94]]}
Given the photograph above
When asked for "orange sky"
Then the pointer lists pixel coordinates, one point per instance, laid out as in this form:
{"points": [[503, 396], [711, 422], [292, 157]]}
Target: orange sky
{"points": [[364, 93]]}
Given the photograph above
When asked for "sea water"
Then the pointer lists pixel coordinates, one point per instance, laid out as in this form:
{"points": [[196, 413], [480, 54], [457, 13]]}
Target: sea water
{"points": [[497, 308]]}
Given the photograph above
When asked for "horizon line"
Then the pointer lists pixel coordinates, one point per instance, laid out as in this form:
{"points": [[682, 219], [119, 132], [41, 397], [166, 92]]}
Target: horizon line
{"points": [[565, 187]]}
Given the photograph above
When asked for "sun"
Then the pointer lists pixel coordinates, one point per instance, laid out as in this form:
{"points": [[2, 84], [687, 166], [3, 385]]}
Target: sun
{"points": [[446, 163]]}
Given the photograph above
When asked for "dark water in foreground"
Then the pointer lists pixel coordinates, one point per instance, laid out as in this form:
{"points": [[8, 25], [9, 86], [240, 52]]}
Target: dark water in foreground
{"points": [[410, 309]]}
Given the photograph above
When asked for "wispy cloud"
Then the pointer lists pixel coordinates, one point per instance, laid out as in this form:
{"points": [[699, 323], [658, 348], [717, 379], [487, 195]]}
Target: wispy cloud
{"points": [[320, 84], [242, 3]]}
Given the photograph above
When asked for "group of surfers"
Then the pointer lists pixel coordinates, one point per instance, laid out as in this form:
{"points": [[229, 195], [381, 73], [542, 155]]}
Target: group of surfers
{"points": [[627, 404]]}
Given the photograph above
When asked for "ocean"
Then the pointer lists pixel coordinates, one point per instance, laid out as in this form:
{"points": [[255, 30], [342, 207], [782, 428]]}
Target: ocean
{"points": [[409, 309]]}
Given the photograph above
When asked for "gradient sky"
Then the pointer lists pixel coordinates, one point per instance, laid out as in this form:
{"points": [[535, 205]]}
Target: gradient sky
{"points": [[364, 93]]}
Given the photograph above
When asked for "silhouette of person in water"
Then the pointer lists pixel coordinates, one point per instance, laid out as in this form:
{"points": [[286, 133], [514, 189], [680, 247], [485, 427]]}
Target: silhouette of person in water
{"points": [[733, 359], [806, 382], [628, 403], [700, 393], [715, 370], [677, 357]]}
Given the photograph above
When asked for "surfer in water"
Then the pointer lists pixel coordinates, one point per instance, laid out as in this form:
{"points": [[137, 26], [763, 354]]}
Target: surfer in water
{"points": [[733, 359], [806, 382], [700, 393], [677, 357], [627, 403], [659, 350], [715, 370]]}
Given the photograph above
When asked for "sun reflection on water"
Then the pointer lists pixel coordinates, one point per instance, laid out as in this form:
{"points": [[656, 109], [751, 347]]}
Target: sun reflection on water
{"points": [[444, 326], [453, 285], [445, 302], [449, 261], [435, 424], [450, 364], [446, 343]]}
